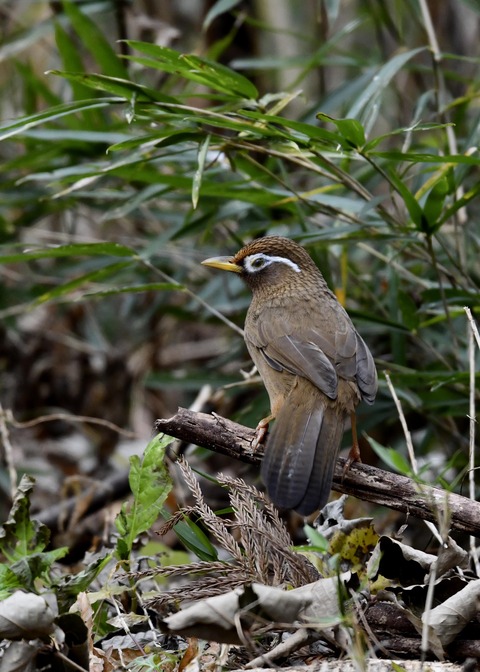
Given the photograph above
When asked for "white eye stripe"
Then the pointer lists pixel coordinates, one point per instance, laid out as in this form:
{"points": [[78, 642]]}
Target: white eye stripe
{"points": [[253, 263]]}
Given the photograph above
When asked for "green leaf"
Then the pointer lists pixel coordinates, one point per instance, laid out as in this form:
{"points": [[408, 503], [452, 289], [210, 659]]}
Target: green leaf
{"points": [[95, 41], [374, 142], [197, 178], [23, 540], [150, 484], [303, 131], [220, 7], [195, 539], [37, 566], [197, 69], [316, 539], [351, 130], [9, 581], [158, 139], [69, 586], [65, 288], [422, 157], [73, 250], [391, 457], [71, 60], [52, 114], [434, 297], [460, 203], [414, 209], [434, 204], [367, 101], [115, 86], [20, 536]]}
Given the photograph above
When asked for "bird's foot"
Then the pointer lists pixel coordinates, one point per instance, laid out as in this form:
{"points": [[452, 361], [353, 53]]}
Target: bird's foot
{"points": [[354, 454], [261, 432]]}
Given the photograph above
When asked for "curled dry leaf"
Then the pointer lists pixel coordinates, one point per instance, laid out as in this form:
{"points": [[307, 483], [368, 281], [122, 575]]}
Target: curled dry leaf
{"points": [[451, 555], [400, 562], [220, 618], [448, 619], [26, 615], [324, 603], [20, 657]]}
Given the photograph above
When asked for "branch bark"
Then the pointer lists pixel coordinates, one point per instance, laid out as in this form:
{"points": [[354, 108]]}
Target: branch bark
{"points": [[362, 481]]}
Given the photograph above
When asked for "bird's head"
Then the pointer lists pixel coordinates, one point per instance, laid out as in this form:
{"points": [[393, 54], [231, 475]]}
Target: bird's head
{"points": [[268, 262]]}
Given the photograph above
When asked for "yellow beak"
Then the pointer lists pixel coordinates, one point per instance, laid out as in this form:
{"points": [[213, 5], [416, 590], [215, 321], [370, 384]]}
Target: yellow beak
{"points": [[223, 263]]}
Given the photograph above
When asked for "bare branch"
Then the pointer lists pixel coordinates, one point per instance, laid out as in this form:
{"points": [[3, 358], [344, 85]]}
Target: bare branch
{"points": [[362, 481]]}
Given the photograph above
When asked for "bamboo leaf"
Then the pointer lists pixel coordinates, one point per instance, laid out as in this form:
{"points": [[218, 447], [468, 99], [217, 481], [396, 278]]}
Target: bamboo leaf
{"points": [[136, 289], [197, 178], [95, 41], [114, 85], [53, 114], [351, 130], [197, 69], [66, 288], [220, 7], [367, 102], [73, 250]]}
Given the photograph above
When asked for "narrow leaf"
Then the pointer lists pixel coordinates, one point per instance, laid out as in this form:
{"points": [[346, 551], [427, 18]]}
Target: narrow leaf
{"points": [[350, 129], [114, 85], [71, 60], [379, 82], [195, 539], [93, 276], [197, 69], [220, 7], [52, 114], [413, 207], [76, 249], [197, 178], [95, 41], [136, 289], [391, 457]]}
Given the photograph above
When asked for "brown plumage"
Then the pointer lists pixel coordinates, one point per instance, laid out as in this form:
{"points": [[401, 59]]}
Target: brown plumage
{"points": [[314, 364]]}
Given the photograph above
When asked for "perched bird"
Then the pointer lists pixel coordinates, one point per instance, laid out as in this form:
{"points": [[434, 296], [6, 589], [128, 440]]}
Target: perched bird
{"points": [[314, 364]]}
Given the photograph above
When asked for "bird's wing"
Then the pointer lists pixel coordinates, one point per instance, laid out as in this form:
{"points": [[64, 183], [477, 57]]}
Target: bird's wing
{"points": [[303, 351], [366, 372], [302, 358], [321, 353]]}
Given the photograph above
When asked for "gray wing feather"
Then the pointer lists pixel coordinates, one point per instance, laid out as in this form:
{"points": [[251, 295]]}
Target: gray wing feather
{"points": [[366, 372], [305, 359], [319, 354]]}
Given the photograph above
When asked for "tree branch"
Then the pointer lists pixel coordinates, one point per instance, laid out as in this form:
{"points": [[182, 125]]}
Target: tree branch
{"points": [[362, 481]]}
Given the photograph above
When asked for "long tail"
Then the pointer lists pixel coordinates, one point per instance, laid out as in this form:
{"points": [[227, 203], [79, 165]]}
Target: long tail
{"points": [[302, 450]]}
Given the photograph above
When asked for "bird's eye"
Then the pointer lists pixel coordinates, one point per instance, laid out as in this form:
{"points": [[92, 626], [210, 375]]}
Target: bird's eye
{"points": [[257, 263]]}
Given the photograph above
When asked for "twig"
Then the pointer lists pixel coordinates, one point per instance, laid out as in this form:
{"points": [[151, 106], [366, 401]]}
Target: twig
{"points": [[410, 448], [472, 335], [362, 481], [12, 472], [473, 325], [428, 608], [192, 295], [67, 417], [107, 491], [403, 422]]}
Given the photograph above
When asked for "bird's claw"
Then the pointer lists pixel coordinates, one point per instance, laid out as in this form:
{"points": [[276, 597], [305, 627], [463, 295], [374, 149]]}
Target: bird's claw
{"points": [[261, 432], [353, 456]]}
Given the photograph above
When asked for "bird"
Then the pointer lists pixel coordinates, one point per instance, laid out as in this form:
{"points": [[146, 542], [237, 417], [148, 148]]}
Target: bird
{"points": [[314, 364]]}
